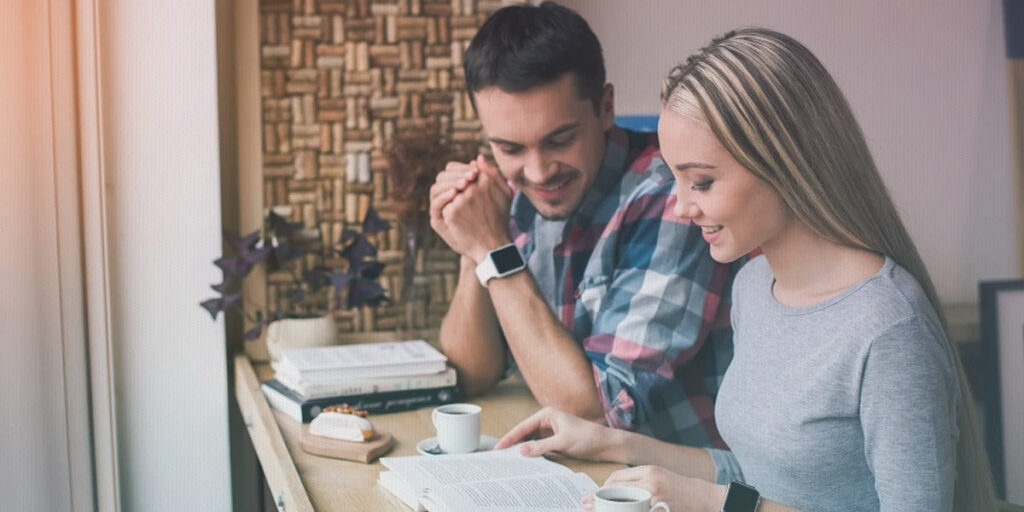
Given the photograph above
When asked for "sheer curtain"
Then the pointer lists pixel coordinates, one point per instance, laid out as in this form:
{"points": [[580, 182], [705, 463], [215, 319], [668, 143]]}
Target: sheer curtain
{"points": [[114, 392], [44, 410]]}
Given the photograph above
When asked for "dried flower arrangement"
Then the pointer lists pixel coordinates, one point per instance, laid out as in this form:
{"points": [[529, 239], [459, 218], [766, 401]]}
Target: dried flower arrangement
{"points": [[414, 160]]}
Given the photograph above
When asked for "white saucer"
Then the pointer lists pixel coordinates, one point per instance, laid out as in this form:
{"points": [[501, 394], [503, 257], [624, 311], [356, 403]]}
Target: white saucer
{"points": [[429, 446]]}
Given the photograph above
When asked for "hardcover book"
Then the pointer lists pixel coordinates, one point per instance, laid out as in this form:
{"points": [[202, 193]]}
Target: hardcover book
{"points": [[365, 386], [305, 409], [314, 365]]}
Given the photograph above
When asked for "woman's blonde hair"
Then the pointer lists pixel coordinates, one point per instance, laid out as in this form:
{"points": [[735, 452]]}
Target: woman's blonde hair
{"points": [[777, 111]]}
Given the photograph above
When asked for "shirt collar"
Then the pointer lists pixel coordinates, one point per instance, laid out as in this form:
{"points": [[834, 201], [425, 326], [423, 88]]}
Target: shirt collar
{"points": [[613, 166]]}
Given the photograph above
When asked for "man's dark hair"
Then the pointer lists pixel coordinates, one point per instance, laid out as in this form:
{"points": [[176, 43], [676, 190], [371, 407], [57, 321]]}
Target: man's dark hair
{"points": [[524, 46]]}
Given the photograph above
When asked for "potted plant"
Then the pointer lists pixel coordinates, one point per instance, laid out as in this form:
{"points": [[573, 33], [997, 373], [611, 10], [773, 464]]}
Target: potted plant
{"points": [[280, 245]]}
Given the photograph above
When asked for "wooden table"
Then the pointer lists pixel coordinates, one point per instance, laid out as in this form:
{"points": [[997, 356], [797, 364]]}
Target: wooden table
{"points": [[303, 482]]}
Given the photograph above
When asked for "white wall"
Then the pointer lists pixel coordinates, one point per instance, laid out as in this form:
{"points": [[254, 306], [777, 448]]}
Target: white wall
{"points": [[927, 81], [159, 95]]}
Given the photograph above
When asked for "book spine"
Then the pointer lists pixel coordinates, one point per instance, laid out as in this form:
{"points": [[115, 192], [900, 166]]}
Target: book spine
{"points": [[380, 385], [378, 403]]}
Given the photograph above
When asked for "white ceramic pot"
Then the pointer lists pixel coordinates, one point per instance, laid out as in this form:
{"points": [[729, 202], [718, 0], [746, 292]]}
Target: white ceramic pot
{"points": [[289, 333]]}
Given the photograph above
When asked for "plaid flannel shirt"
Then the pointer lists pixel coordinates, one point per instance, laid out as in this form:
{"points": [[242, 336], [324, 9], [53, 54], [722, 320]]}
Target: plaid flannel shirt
{"points": [[639, 291]]}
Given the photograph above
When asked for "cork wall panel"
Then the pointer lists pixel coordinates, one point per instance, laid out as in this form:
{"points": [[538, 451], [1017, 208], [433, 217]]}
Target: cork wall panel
{"points": [[338, 81]]}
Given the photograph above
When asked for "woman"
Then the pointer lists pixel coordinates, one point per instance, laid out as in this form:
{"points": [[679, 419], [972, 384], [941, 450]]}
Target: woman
{"points": [[844, 392]]}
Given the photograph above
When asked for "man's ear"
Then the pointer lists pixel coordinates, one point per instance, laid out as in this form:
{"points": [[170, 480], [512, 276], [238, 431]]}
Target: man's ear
{"points": [[607, 107]]}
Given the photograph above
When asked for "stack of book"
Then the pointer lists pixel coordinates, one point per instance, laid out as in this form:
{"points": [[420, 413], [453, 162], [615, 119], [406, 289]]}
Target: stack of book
{"points": [[375, 377]]}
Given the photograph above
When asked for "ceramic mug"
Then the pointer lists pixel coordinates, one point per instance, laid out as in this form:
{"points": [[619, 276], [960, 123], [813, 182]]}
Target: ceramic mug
{"points": [[289, 333], [626, 499], [458, 427]]}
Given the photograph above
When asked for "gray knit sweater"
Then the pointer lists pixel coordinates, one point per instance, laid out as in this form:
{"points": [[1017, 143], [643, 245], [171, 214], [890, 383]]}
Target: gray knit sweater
{"points": [[846, 405]]}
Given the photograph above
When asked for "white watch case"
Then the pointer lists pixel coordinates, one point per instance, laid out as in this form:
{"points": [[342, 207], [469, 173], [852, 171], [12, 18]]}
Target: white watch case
{"points": [[503, 261]]}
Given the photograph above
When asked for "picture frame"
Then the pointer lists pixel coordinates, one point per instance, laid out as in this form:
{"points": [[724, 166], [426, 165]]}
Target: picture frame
{"points": [[1001, 305]]}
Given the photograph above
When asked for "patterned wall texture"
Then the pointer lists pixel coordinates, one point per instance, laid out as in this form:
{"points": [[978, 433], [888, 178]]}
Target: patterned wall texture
{"points": [[339, 79]]}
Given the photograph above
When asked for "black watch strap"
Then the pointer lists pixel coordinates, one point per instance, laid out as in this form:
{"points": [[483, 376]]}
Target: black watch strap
{"points": [[741, 498]]}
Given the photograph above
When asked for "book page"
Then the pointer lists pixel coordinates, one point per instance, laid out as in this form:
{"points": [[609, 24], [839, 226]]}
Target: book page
{"points": [[442, 471], [398, 487], [359, 355], [525, 494]]}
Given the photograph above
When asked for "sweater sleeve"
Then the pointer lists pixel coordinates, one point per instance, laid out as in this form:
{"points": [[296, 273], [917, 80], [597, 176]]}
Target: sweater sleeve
{"points": [[908, 414], [727, 468]]}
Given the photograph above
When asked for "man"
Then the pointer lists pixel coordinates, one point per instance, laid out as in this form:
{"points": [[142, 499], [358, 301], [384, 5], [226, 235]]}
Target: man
{"points": [[611, 308]]}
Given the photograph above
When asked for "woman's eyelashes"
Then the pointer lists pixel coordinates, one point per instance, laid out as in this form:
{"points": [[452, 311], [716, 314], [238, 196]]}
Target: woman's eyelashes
{"points": [[701, 185], [695, 183]]}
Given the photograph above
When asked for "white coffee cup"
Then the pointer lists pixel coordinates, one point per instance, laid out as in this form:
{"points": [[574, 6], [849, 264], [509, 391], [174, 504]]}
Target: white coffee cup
{"points": [[458, 427], [626, 499]]}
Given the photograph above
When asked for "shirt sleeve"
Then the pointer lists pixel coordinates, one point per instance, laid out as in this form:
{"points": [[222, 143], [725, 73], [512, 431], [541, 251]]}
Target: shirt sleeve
{"points": [[651, 316], [908, 414]]}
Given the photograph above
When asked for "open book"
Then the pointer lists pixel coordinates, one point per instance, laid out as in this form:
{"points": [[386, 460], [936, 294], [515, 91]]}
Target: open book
{"points": [[495, 481]]}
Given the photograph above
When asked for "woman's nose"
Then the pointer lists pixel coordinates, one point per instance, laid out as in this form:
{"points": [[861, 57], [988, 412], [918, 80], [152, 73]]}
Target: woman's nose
{"points": [[684, 207]]}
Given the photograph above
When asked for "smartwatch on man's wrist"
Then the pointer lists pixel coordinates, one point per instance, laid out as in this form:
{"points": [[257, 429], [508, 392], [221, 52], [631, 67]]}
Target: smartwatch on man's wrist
{"points": [[741, 498], [503, 261]]}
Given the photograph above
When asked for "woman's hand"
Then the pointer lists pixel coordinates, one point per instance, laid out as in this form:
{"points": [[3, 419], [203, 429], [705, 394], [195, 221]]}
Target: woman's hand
{"points": [[556, 431], [680, 493]]}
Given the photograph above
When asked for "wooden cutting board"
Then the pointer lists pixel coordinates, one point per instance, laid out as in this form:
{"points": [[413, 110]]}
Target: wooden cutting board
{"points": [[366, 452]]}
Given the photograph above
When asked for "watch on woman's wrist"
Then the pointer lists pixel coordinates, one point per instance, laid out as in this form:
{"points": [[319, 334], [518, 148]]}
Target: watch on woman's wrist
{"points": [[741, 497]]}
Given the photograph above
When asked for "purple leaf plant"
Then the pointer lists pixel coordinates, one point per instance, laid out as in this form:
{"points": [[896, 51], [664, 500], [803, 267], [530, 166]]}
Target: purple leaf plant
{"points": [[280, 244]]}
